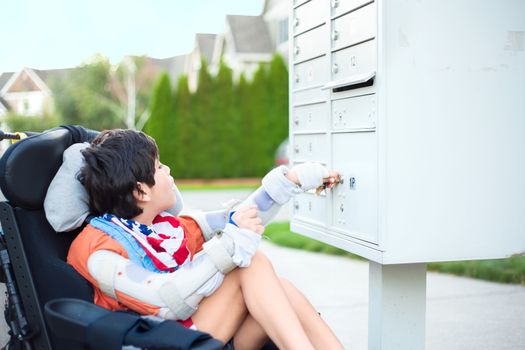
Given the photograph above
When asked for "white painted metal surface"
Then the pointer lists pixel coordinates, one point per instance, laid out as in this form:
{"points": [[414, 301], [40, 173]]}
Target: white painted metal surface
{"points": [[397, 311], [424, 116], [448, 122]]}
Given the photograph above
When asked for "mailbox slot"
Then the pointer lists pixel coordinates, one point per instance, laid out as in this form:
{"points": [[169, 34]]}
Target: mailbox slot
{"points": [[358, 61], [309, 207], [355, 27], [354, 113], [307, 16], [309, 147], [340, 7], [304, 50], [310, 117], [311, 73]]}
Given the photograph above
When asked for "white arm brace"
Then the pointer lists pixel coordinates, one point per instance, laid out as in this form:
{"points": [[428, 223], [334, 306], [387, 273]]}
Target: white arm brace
{"points": [[177, 294], [275, 191]]}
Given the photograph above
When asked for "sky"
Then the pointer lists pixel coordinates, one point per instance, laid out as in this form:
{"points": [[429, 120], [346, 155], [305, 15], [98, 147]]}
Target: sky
{"points": [[49, 34]]}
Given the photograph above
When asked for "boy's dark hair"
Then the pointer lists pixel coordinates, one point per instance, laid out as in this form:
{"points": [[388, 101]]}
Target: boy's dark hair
{"points": [[114, 163]]}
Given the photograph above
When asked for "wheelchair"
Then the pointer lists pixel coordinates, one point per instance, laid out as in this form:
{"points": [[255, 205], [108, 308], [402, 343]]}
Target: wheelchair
{"points": [[49, 305]]}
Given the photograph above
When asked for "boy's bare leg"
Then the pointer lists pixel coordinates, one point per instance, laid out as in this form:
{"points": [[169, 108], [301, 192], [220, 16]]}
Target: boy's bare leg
{"points": [[222, 313], [250, 336], [321, 336], [268, 304]]}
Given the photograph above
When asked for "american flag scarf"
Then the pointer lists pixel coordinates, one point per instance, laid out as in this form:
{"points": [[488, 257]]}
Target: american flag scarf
{"points": [[164, 241]]}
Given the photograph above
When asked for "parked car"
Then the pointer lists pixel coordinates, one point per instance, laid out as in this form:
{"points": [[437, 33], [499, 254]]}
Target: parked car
{"points": [[282, 155]]}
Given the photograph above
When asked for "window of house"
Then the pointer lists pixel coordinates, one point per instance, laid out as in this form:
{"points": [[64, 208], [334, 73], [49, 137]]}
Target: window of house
{"points": [[282, 35]]}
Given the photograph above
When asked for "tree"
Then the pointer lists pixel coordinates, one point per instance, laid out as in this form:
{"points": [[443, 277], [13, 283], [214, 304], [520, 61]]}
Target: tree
{"points": [[261, 128], [162, 121], [185, 128], [205, 137], [226, 125], [278, 106], [245, 152], [17, 122], [130, 83], [83, 96]]}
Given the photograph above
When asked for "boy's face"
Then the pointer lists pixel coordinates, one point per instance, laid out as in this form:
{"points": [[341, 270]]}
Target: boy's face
{"points": [[162, 196]]}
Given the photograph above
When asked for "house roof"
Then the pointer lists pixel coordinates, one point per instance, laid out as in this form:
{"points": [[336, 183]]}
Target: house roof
{"points": [[50, 74], [250, 34], [206, 43], [4, 78], [3, 104], [36, 79], [175, 66]]}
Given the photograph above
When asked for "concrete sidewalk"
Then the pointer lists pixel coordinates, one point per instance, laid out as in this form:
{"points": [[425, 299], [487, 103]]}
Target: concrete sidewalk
{"points": [[462, 313]]}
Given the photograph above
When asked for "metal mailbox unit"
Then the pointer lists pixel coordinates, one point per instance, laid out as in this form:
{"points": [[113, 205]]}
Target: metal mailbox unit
{"points": [[421, 106]]}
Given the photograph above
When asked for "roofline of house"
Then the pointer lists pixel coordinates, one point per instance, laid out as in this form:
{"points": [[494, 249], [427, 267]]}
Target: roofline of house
{"points": [[32, 74]]}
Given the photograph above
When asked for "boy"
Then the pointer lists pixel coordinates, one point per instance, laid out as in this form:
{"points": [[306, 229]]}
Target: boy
{"points": [[139, 257]]}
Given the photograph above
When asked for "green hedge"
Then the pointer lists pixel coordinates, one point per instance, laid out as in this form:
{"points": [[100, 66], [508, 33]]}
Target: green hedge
{"points": [[226, 128]]}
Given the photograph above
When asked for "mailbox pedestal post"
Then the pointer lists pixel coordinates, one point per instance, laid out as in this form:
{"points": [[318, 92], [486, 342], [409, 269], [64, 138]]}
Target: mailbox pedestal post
{"points": [[397, 306]]}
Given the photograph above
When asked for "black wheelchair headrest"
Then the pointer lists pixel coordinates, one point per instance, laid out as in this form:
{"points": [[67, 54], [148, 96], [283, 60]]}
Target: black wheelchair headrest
{"points": [[28, 166]]}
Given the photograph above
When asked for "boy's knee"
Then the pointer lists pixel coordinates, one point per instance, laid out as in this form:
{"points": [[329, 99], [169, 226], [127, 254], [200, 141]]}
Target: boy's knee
{"points": [[260, 260]]}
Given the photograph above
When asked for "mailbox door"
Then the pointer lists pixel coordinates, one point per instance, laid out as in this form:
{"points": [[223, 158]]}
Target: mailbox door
{"points": [[310, 117], [355, 201], [310, 208]]}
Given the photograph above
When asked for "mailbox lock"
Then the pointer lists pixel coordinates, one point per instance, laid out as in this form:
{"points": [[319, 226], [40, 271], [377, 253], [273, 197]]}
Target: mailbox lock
{"points": [[353, 61], [310, 206], [296, 121], [296, 205], [296, 21], [342, 208], [297, 78], [296, 149], [335, 68], [297, 50], [335, 35]]}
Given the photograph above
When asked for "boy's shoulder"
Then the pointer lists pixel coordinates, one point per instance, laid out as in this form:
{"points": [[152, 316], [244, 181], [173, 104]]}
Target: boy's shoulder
{"points": [[88, 241]]}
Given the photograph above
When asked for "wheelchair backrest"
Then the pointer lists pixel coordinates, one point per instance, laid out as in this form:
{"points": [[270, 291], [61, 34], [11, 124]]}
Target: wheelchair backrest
{"points": [[36, 251]]}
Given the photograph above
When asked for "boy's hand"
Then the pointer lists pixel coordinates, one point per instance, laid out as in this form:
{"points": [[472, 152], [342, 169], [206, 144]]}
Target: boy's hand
{"points": [[333, 179], [311, 175], [248, 218]]}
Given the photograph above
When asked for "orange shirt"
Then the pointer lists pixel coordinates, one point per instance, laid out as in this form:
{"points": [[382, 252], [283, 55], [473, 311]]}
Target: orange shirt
{"points": [[91, 239]]}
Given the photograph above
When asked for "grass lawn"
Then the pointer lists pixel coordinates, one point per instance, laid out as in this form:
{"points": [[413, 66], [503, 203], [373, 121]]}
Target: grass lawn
{"points": [[511, 270], [215, 187], [218, 184]]}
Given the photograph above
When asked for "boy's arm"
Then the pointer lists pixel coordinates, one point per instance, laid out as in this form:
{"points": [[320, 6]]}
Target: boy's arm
{"points": [[278, 186], [173, 295]]}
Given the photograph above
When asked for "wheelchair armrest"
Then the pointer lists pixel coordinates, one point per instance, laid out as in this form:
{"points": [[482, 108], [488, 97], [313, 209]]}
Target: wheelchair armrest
{"points": [[72, 318]]}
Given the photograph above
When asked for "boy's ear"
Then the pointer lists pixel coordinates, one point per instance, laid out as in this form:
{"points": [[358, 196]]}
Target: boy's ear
{"points": [[142, 193]]}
